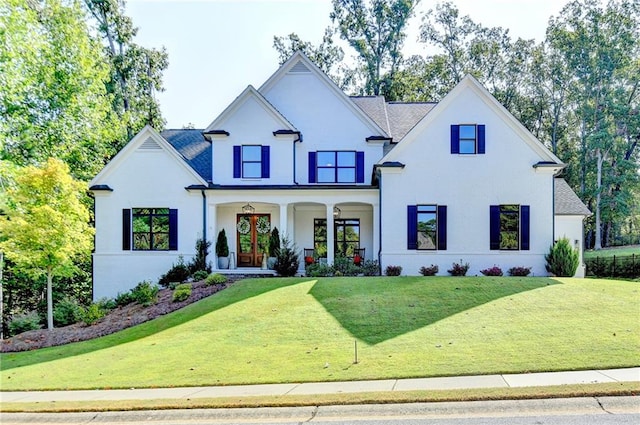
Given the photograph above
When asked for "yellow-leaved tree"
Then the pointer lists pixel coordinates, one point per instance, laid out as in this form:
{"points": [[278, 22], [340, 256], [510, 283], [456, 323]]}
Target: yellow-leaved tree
{"points": [[46, 224]]}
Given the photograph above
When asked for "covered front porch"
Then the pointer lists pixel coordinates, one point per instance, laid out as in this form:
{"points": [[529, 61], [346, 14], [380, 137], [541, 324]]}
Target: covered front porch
{"points": [[325, 224]]}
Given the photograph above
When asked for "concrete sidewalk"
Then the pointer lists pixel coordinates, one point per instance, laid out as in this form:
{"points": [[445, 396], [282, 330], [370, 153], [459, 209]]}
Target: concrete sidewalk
{"points": [[449, 383]]}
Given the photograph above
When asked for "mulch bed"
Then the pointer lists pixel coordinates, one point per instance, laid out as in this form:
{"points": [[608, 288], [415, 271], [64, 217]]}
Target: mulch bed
{"points": [[116, 320]]}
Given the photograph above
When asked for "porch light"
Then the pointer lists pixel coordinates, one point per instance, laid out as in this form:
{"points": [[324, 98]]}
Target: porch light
{"points": [[336, 212], [248, 209]]}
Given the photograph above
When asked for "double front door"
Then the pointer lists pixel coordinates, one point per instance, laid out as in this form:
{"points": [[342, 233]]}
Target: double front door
{"points": [[253, 232]]}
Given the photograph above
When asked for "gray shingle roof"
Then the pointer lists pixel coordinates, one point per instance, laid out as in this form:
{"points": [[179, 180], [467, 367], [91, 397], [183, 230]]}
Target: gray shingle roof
{"points": [[396, 118], [196, 151], [566, 202]]}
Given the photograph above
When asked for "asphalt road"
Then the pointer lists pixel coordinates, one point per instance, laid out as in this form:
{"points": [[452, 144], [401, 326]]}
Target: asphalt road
{"points": [[573, 411]]}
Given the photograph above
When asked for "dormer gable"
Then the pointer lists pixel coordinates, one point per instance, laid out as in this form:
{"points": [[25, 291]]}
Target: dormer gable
{"points": [[472, 131]]}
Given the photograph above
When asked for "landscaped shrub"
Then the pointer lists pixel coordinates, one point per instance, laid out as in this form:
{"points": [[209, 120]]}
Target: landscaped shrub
{"points": [[492, 271], [287, 259], [429, 271], [24, 322], [274, 242], [215, 279], [66, 312], [343, 266], [145, 293], [370, 268], [459, 269], [124, 298], [182, 292], [562, 259], [318, 270], [199, 262], [519, 271], [200, 275], [393, 270], [92, 314], [177, 273]]}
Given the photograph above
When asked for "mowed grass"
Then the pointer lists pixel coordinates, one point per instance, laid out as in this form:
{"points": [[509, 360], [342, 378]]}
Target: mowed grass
{"points": [[293, 330]]}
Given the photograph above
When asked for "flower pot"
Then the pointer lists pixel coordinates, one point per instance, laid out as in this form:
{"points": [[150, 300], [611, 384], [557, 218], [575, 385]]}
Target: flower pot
{"points": [[223, 262]]}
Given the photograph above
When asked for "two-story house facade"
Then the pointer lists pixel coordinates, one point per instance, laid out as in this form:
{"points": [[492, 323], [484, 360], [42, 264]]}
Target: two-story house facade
{"points": [[407, 184]]}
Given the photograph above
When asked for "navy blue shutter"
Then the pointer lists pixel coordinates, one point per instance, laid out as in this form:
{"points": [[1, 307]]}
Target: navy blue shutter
{"points": [[442, 227], [237, 162], [481, 143], [312, 167], [524, 227], [494, 225], [173, 230], [126, 229], [359, 167], [455, 138], [265, 162], [412, 227]]}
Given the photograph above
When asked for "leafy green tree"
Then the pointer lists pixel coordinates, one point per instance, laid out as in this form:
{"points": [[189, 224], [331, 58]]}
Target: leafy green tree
{"points": [[53, 100], [136, 71], [46, 225], [376, 31]]}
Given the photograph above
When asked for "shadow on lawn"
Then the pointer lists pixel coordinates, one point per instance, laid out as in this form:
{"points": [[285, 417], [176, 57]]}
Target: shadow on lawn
{"points": [[379, 309], [238, 292]]}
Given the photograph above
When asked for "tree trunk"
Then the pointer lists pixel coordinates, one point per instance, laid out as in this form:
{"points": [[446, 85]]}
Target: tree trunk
{"points": [[598, 227], [49, 300]]}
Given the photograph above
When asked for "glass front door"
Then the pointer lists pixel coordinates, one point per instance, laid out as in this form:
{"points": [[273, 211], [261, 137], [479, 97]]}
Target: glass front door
{"points": [[253, 238]]}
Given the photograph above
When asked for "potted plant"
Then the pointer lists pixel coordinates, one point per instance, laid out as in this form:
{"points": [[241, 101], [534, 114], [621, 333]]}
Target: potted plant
{"points": [[274, 246], [222, 250]]}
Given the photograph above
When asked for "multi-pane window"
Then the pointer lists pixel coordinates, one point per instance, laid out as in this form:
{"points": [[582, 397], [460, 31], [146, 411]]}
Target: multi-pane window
{"points": [[251, 161], [346, 237], [336, 167], [468, 137], [509, 227], [150, 229], [427, 227]]}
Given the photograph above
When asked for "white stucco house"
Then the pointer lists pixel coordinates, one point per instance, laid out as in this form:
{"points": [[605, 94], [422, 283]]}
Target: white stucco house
{"points": [[408, 184]]}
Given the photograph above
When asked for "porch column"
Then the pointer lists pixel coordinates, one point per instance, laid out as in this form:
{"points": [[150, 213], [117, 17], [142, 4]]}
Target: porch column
{"points": [[212, 230], [330, 234], [283, 221], [376, 231]]}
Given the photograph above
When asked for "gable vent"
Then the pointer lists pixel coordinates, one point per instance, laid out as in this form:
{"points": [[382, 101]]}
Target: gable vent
{"points": [[299, 68], [149, 145]]}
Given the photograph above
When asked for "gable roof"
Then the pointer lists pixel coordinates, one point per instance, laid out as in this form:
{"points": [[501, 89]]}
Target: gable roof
{"points": [[470, 83], [566, 202], [300, 63], [148, 138], [250, 93]]}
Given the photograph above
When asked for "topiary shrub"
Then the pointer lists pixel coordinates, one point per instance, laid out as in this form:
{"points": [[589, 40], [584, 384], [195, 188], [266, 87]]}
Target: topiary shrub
{"points": [[287, 259], [24, 322], [429, 271], [562, 259], [66, 312], [179, 272], [145, 293], [492, 271], [182, 292], [519, 271], [215, 279], [459, 269], [274, 242], [393, 270]]}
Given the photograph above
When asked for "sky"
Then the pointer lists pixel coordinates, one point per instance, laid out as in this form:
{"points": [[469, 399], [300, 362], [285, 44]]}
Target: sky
{"points": [[218, 47]]}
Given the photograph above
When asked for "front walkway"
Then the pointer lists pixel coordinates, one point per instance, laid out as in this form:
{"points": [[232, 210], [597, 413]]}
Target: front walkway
{"points": [[448, 383]]}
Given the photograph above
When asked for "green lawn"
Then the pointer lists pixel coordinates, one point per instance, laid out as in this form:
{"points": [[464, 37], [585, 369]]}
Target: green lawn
{"points": [[616, 250], [292, 330]]}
